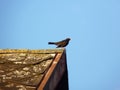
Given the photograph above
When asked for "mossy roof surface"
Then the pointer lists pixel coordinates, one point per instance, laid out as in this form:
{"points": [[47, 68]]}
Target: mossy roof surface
{"points": [[24, 69]]}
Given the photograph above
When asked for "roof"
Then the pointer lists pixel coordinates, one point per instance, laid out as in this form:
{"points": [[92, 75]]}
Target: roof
{"points": [[27, 69]]}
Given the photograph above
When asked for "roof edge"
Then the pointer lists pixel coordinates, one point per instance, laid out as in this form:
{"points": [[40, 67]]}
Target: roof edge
{"points": [[58, 50]]}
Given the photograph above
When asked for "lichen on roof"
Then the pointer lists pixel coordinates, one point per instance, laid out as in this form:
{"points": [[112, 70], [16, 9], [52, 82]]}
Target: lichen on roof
{"points": [[24, 69]]}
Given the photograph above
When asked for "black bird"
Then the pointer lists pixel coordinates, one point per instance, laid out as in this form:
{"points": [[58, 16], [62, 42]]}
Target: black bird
{"points": [[62, 43]]}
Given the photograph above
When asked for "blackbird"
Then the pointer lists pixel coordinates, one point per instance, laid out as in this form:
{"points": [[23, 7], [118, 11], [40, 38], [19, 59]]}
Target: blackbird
{"points": [[62, 43]]}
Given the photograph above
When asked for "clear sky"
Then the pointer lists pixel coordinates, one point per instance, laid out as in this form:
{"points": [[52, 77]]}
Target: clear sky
{"points": [[93, 54]]}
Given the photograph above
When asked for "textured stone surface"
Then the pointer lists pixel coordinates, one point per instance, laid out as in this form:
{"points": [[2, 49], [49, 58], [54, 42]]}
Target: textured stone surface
{"points": [[23, 69]]}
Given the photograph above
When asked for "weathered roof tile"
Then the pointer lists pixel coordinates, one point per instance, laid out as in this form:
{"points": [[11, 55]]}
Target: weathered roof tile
{"points": [[24, 69]]}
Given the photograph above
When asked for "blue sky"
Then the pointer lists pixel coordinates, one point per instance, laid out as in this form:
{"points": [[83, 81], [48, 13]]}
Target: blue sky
{"points": [[93, 54]]}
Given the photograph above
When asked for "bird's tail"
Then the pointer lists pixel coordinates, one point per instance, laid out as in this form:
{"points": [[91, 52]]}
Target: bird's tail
{"points": [[51, 43]]}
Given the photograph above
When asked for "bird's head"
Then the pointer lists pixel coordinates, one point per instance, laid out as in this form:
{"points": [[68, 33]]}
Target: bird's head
{"points": [[68, 39]]}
